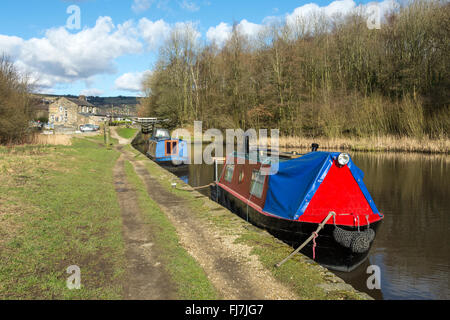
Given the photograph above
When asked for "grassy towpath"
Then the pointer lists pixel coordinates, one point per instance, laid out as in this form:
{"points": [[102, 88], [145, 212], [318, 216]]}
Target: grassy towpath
{"points": [[58, 208], [82, 205], [238, 258]]}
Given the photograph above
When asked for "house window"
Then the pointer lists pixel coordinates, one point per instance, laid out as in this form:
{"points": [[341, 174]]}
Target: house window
{"points": [[52, 118], [229, 173], [257, 186]]}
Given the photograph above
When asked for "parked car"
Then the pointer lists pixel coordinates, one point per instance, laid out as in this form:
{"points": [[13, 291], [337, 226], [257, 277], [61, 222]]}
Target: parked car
{"points": [[89, 128], [49, 126]]}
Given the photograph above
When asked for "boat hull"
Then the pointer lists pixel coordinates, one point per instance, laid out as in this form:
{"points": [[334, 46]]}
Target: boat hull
{"points": [[168, 153], [328, 252]]}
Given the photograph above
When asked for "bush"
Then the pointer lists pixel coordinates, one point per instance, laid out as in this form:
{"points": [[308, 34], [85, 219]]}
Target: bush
{"points": [[15, 105]]}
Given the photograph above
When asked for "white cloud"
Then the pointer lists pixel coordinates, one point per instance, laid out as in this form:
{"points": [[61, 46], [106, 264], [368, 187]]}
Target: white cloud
{"points": [[219, 34], [249, 29], [300, 17], [140, 6], [93, 92], [154, 33], [131, 81], [338, 8], [222, 32], [190, 28], [64, 57], [189, 6]]}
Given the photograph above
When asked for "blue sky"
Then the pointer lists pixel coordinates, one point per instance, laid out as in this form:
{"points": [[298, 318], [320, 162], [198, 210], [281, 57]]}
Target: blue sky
{"points": [[118, 40]]}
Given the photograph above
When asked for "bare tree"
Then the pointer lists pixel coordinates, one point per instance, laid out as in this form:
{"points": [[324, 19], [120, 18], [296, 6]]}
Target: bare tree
{"points": [[15, 104]]}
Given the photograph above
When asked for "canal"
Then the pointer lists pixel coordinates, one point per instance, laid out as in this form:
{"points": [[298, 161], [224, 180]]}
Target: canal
{"points": [[412, 245]]}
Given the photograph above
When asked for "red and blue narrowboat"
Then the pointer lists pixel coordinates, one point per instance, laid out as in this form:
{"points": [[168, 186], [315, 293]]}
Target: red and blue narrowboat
{"points": [[167, 151], [297, 195]]}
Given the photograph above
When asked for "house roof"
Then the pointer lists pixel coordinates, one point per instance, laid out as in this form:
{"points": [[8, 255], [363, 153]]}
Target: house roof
{"points": [[80, 102]]}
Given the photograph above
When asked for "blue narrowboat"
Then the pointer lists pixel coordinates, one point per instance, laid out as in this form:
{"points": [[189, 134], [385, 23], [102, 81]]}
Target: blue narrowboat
{"points": [[291, 196], [166, 150]]}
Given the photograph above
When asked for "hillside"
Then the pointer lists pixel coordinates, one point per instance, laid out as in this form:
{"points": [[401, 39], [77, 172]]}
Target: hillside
{"points": [[100, 101]]}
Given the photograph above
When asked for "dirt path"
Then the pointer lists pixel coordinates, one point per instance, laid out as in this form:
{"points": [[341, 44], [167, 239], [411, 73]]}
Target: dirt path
{"points": [[230, 267], [235, 273], [145, 278], [122, 141]]}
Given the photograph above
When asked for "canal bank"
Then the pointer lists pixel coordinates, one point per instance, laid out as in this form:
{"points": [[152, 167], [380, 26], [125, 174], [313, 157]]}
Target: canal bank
{"points": [[411, 189], [238, 258]]}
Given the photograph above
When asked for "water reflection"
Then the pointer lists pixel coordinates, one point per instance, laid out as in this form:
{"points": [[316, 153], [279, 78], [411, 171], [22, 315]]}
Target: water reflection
{"points": [[412, 245], [411, 248]]}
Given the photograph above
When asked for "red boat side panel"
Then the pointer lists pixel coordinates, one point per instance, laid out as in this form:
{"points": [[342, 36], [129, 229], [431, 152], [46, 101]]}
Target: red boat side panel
{"points": [[242, 187], [339, 192]]}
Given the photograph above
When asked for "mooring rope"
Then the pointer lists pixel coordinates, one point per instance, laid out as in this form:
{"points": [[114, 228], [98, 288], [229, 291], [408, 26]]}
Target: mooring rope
{"points": [[313, 236], [314, 244], [202, 187]]}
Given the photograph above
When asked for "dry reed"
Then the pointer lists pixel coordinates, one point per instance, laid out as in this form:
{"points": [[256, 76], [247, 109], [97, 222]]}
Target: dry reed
{"points": [[383, 143], [53, 139]]}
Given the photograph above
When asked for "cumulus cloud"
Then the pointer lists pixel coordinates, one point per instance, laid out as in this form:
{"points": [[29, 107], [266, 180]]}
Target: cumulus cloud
{"points": [[335, 9], [131, 81], [301, 16], [222, 32], [154, 33], [64, 57]]}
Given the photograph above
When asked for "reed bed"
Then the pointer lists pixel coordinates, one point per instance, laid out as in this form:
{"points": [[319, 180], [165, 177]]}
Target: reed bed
{"points": [[385, 143], [53, 139]]}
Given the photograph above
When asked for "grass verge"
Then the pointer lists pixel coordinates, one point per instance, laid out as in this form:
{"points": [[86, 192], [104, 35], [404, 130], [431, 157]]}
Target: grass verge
{"points": [[126, 133], [58, 208], [190, 279]]}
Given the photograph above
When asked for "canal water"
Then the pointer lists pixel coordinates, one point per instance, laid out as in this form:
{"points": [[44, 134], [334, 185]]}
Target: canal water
{"points": [[412, 246]]}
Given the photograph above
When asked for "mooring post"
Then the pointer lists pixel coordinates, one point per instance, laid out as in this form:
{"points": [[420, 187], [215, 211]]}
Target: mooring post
{"points": [[107, 135], [104, 132]]}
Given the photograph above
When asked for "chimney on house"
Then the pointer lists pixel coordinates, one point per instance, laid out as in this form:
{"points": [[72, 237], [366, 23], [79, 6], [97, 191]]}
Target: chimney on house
{"points": [[83, 98]]}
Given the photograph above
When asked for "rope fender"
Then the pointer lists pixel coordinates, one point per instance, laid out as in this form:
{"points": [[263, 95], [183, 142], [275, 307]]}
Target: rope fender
{"points": [[358, 242]]}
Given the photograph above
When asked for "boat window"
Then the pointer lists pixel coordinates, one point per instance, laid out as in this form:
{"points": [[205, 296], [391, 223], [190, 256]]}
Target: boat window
{"points": [[162, 134], [257, 186], [171, 148], [241, 176], [229, 173]]}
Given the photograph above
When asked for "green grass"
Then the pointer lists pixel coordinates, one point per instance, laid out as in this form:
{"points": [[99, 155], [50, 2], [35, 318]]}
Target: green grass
{"points": [[298, 273], [58, 208], [190, 279], [100, 139], [126, 133]]}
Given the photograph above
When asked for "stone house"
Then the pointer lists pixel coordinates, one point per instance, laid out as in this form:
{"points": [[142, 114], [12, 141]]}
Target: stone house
{"points": [[72, 113]]}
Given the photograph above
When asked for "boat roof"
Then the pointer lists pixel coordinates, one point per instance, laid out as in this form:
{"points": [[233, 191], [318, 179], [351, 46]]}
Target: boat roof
{"points": [[265, 157], [294, 183]]}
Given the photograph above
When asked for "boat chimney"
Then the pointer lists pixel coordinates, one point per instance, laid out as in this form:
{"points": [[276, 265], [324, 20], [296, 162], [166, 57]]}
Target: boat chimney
{"points": [[315, 147]]}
